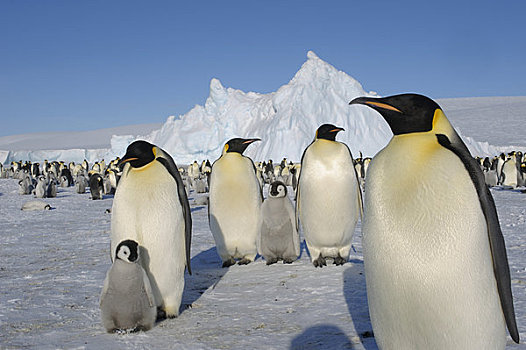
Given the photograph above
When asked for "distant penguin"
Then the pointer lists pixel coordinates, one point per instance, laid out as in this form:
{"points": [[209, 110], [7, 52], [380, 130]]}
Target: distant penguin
{"points": [[51, 188], [67, 174], [278, 237], [96, 186], [40, 188], [127, 302], [35, 206], [81, 183], [151, 207], [200, 185], [235, 201], [328, 198], [510, 173], [435, 260], [500, 162], [25, 186]]}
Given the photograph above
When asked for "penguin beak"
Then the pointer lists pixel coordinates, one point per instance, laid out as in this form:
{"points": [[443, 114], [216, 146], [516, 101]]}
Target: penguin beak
{"points": [[249, 141], [337, 130], [373, 103], [123, 161]]}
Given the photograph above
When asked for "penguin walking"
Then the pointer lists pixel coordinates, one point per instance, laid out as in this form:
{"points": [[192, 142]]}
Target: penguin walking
{"points": [[234, 204], [278, 237], [151, 207], [328, 197], [127, 302], [435, 261]]}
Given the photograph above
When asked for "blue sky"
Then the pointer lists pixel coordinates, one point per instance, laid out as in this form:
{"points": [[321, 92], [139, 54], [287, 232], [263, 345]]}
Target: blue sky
{"points": [[81, 65]]}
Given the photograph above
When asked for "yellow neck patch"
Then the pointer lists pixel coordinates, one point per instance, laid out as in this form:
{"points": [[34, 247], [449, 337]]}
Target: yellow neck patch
{"points": [[441, 124]]}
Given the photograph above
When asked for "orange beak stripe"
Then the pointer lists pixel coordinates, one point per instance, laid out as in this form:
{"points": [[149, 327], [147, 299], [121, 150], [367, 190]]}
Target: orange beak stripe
{"points": [[383, 105]]}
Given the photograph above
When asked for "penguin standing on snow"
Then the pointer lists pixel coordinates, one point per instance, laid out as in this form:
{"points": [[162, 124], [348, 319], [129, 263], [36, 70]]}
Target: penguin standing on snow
{"points": [[96, 186], [235, 200], [278, 237], [435, 260], [151, 207], [328, 197], [127, 302]]}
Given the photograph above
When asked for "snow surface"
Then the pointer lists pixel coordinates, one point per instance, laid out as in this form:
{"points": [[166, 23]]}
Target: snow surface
{"points": [[53, 263], [285, 120]]}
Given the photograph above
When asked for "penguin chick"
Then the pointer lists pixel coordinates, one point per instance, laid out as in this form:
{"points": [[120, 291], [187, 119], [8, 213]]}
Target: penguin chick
{"points": [[127, 302], [278, 237]]}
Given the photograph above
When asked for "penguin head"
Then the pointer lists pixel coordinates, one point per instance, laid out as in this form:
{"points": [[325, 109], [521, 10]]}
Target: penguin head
{"points": [[277, 189], [138, 154], [408, 113], [127, 251], [328, 132], [238, 145]]}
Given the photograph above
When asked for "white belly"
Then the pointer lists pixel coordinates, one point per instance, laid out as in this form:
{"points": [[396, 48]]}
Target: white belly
{"points": [[146, 208], [329, 199], [430, 281], [234, 206]]}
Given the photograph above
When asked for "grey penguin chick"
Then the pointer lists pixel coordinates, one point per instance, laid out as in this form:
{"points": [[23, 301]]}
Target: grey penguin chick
{"points": [[35, 205], [127, 302], [278, 237]]}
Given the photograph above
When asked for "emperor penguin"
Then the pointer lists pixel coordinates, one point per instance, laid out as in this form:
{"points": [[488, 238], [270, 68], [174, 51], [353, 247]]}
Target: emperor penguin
{"points": [[234, 204], [510, 173], [435, 261], [328, 197], [96, 186], [127, 302], [150, 206], [278, 237]]}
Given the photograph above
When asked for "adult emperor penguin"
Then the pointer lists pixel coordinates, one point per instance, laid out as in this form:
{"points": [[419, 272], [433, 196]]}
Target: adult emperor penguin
{"points": [[127, 302], [328, 198], [151, 207], [435, 260], [235, 201]]}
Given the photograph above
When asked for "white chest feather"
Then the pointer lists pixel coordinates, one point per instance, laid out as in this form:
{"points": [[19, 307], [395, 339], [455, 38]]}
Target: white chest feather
{"points": [[146, 208], [329, 198], [428, 264]]}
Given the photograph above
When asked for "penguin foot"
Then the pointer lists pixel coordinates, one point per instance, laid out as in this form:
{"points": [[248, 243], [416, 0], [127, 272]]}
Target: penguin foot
{"points": [[229, 262], [161, 314], [244, 261], [339, 261], [272, 261], [320, 262], [288, 261]]}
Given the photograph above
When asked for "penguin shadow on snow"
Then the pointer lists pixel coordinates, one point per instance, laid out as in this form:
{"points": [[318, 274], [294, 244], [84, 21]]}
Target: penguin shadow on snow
{"points": [[206, 273], [355, 294], [321, 337]]}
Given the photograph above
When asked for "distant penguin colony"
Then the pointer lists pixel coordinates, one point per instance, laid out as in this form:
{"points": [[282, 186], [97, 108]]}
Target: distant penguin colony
{"points": [[435, 261]]}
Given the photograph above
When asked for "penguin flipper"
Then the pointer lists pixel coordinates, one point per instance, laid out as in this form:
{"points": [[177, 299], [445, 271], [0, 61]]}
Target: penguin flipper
{"points": [[148, 288], [169, 164], [496, 240]]}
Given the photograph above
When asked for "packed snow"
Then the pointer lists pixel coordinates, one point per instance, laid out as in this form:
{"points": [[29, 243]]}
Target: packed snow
{"points": [[285, 120]]}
